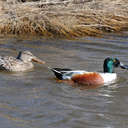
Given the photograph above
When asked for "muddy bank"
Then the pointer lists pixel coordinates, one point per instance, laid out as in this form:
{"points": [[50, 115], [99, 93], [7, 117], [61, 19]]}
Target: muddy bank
{"points": [[63, 18]]}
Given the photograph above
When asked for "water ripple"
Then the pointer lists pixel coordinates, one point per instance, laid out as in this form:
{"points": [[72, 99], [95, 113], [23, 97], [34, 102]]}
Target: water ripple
{"points": [[35, 99]]}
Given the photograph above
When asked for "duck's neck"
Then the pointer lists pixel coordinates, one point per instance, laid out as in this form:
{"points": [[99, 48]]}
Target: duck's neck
{"points": [[19, 56], [22, 58], [108, 68]]}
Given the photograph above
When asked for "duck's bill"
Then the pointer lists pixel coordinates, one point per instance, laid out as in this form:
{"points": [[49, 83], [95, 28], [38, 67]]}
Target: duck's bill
{"points": [[38, 60], [124, 66]]}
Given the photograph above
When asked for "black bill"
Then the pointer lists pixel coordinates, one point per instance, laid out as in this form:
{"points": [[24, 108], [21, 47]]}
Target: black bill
{"points": [[123, 66]]}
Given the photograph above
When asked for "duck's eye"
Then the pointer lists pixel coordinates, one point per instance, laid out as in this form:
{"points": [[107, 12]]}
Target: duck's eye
{"points": [[115, 60], [28, 54]]}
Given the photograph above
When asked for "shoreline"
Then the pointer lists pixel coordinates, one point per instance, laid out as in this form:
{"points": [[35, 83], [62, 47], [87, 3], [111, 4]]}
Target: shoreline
{"points": [[63, 19]]}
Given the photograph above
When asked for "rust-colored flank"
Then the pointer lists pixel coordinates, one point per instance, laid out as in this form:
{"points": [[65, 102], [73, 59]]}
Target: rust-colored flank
{"points": [[88, 79]]}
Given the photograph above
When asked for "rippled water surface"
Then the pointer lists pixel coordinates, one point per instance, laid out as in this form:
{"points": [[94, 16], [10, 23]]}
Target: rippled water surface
{"points": [[36, 100]]}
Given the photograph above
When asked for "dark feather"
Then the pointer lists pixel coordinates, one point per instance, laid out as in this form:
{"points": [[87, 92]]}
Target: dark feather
{"points": [[59, 72]]}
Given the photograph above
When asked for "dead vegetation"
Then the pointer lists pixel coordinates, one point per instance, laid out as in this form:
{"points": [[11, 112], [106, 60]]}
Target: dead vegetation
{"points": [[63, 18]]}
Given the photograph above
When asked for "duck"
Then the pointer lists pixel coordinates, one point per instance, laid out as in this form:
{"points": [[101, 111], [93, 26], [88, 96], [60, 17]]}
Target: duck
{"points": [[83, 77], [22, 62]]}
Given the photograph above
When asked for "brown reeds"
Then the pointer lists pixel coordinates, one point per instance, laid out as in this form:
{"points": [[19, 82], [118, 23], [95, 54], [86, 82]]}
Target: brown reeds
{"points": [[63, 18]]}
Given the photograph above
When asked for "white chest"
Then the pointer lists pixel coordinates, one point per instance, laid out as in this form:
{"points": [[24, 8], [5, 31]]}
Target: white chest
{"points": [[109, 77]]}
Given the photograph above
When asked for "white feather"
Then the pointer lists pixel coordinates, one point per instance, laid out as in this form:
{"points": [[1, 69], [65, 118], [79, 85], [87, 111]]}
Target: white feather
{"points": [[69, 74], [109, 77]]}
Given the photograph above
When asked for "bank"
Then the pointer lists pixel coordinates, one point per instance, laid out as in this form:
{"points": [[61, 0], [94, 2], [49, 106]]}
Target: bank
{"points": [[68, 19]]}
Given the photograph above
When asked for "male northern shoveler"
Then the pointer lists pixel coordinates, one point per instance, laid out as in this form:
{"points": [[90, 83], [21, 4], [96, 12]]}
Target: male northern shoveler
{"points": [[23, 62], [91, 78]]}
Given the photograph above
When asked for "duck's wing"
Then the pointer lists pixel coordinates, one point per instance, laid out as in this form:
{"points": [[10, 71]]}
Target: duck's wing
{"points": [[7, 62], [69, 74], [64, 74]]}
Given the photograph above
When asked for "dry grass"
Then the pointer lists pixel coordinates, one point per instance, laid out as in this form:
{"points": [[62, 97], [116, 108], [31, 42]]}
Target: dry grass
{"points": [[63, 18]]}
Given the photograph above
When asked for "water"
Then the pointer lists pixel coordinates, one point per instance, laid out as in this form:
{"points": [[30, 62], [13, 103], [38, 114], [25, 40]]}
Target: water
{"points": [[36, 100]]}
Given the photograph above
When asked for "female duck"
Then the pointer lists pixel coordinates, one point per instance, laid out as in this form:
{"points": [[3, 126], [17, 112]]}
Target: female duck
{"points": [[91, 78], [23, 62]]}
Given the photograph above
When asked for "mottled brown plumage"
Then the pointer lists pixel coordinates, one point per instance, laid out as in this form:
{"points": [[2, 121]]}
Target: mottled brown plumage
{"points": [[23, 62]]}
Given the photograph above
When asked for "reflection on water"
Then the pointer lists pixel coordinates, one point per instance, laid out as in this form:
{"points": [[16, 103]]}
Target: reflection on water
{"points": [[35, 99]]}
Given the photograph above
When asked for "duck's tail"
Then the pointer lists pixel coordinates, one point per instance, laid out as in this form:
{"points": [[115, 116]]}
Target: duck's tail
{"points": [[57, 73]]}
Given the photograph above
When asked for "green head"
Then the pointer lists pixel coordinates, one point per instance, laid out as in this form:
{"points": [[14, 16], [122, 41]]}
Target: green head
{"points": [[110, 64]]}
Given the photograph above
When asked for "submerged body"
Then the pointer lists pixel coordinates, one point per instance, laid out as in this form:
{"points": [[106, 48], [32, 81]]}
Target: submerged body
{"points": [[23, 62], [91, 78]]}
